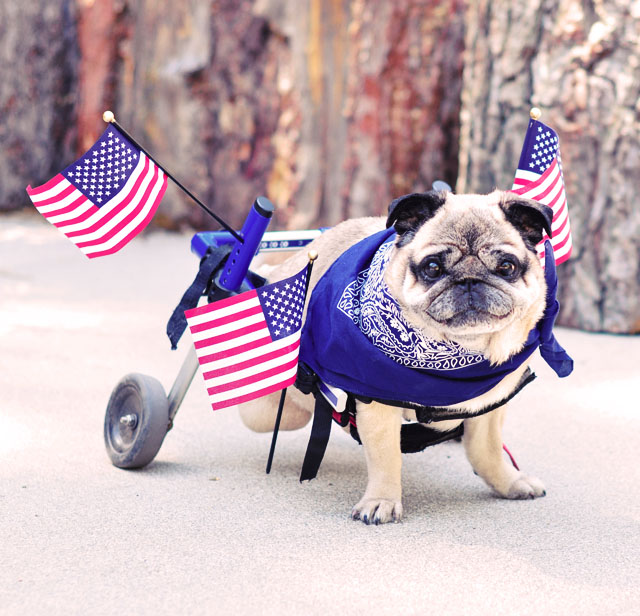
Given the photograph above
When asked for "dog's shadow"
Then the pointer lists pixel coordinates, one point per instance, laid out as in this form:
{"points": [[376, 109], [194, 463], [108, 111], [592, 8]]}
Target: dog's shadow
{"points": [[568, 534], [564, 534]]}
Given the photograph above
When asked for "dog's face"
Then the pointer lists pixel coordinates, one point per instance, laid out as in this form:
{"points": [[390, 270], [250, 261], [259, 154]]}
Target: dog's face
{"points": [[464, 267]]}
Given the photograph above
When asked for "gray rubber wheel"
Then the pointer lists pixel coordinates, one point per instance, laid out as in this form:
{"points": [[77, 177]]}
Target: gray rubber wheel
{"points": [[136, 421]]}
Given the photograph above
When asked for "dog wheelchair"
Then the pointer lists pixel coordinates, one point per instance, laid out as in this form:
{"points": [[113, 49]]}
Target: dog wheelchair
{"points": [[139, 412]]}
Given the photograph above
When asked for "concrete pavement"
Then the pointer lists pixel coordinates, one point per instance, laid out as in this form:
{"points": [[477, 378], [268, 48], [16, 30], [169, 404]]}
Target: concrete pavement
{"points": [[203, 529]]}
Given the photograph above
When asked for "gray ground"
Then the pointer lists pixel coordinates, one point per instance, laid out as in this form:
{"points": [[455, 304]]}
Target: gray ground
{"points": [[203, 529]]}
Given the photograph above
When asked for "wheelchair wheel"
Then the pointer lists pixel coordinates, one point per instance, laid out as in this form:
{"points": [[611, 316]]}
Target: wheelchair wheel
{"points": [[136, 421]]}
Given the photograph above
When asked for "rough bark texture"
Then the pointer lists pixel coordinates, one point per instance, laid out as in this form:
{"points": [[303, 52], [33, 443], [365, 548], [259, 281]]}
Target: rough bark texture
{"points": [[579, 61], [373, 93], [201, 94], [102, 33], [38, 56], [333, 107], [330, 108]]}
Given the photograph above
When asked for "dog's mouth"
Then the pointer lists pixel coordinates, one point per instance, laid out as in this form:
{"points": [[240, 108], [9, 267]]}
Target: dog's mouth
{"points": [[473, 319], [469, 304]]}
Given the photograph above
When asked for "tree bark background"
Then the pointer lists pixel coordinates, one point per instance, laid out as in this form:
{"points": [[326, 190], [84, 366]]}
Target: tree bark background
{"points": [[38, 53], [334, 107], [375, 106], [580, 63], [329, 107]]}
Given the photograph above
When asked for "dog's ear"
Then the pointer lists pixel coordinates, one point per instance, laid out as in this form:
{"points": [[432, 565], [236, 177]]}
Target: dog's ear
{"points": [[529, 217], [409, 212]]}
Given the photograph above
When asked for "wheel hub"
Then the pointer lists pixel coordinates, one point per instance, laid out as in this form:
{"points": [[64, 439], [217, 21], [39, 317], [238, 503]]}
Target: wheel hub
{"points": [[129, 421]]}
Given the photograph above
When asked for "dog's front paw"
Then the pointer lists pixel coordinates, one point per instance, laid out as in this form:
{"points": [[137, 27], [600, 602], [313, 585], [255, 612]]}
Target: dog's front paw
{"points": [[525, 487], [377, 511]]}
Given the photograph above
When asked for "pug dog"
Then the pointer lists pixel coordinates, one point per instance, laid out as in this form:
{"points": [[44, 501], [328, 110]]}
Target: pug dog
{"points": [[463, 269]]}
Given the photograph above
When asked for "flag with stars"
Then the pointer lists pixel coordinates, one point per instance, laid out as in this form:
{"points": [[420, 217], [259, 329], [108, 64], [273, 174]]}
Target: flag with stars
{"points": [[248, 344], [539, 177], [104, 199]]}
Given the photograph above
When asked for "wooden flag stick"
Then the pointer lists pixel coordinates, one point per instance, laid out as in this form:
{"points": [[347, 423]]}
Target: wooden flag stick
{"points": [[109, 118], [313, 255]]}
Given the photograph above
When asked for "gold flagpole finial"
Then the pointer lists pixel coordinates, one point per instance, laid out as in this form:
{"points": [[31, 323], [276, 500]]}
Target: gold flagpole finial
{"points": [[108, 117], [535, 113], [313, 255]]}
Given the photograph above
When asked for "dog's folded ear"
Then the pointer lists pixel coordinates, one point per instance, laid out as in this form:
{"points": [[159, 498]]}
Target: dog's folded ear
{"points": [[407, 213], [529, 217]]}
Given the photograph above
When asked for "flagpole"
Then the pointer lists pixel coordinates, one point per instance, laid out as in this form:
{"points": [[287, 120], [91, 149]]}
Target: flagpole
{"points": [[276, 427], [313, 255], [109, 118], [535, 113]]}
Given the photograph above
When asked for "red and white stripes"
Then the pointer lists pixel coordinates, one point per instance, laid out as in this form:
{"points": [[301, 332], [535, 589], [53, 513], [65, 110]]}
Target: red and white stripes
{"points": [[100, 231], [548, 189], [239, 358]]}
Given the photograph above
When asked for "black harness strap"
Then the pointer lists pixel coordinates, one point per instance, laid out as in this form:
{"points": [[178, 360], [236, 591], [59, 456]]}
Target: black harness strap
{"points": [[428, 414], [208, 265], [414, 437], [320, 432]]}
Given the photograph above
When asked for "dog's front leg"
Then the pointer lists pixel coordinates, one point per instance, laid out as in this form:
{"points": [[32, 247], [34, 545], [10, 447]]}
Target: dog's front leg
{"points": [[379, 430], [483, 445]]}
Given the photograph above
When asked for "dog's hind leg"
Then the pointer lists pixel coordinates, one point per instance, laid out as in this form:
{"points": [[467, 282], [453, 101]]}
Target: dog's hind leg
{"points": [[379, 430], [260, 415], [483, 445]]}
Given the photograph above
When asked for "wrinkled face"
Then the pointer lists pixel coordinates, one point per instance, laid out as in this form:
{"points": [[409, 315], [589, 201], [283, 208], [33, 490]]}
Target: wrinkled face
{"points": [[466, 270]]}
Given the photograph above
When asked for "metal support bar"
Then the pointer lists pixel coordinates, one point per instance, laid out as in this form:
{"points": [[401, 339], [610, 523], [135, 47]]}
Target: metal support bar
{"points": [[229, 281], [182, 382]]}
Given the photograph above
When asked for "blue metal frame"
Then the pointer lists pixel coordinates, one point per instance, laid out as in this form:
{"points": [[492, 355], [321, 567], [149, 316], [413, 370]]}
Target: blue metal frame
{"points": [[233, 276]]}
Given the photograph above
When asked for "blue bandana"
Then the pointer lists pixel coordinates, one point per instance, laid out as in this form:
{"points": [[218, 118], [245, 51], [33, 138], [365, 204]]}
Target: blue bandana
{"points": [[356, 339]]}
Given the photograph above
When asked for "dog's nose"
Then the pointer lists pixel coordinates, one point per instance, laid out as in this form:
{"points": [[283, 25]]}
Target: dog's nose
{"points": [[472, 292], [468, 284]]}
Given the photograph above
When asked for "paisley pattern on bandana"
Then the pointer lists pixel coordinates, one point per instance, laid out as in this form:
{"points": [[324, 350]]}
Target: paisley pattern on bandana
{"points": [[368, 303]]}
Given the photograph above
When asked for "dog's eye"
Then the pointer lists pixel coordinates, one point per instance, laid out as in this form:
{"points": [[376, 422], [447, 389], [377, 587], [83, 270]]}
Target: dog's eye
{"points": [[508, 269], [432, 269]]}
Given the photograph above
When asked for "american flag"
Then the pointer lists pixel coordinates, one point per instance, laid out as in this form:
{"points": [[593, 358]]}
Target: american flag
{"points": [[104, 199], [539, 177], [248, 344]]}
